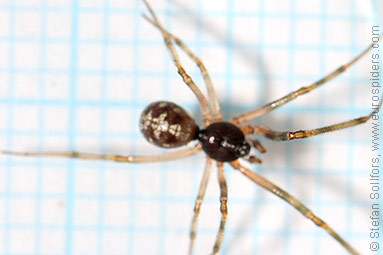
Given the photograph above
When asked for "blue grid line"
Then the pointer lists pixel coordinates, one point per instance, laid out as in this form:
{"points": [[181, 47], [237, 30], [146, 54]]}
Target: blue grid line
{"points": [[71, 128], [102, 168]]}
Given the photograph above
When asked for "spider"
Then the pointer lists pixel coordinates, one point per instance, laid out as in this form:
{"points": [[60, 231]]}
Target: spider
{"points": [[168, 125]]}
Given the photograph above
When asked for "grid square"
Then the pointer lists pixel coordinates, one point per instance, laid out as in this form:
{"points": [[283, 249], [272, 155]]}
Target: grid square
{"points": [[181, 240], [26, 55], [150, 182], [307, 32], [55, 86], [22, 211], [116, 31], [58, 24], [119, 58], [117, 182], [26, 237], [149, 214], [27, 24], [85, 212], [306, 62], [87, 181], [90, 56], [54, 180], [52, 242], [157, 61], [299, 244], [247, 29], [118, 121], [119, 88], [337, 32], [115, 243], [85, 242], [177, 213], [53, 212], [25, 118], [55, 119], [156, 85], [24, 179], [89, 87], [57, 56], [116, 213], [26, 86], [278, 61], [140, 243], [335, 156], [91, 25], [88, 119], [279, 26]]}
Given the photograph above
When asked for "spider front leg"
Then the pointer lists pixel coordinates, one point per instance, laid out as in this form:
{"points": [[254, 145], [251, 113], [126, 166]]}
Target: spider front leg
{"points": [[288, 135], [264, 183], [198, 202], [293, 95], [117, 158], [205, 74], [204, 105]]}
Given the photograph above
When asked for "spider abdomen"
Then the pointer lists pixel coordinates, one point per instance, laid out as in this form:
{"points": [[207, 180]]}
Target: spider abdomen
{"points": [[167, 125], [223, 142]]}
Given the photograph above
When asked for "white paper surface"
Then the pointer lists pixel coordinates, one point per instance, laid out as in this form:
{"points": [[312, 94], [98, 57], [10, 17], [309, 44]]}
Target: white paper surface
{"points": [[75, 75]]}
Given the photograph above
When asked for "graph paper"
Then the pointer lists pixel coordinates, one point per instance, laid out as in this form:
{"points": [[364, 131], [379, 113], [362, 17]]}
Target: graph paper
{"points": [[75, 75]]}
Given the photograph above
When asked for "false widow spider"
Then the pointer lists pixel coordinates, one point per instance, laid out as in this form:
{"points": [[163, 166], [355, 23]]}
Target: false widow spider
{"points": [[167, 125]]}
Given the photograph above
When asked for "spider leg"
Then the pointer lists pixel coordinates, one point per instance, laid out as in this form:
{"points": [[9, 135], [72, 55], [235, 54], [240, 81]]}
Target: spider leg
{"points": [[198, 202], [209, 85], [117, 158], [264, 183], [288, 135], [204, 105], [223, 208], [293, 95]]}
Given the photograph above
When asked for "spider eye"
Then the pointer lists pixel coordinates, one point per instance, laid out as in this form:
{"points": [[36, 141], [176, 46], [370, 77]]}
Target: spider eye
{"points": [[243, 149]]}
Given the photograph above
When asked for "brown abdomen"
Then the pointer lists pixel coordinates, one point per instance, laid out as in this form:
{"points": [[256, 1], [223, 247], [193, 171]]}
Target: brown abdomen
{"points": [[167, 125]]}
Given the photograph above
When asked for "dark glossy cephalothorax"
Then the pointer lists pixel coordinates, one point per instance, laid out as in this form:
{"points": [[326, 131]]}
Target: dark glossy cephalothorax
{"points": [[168, 125]]}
